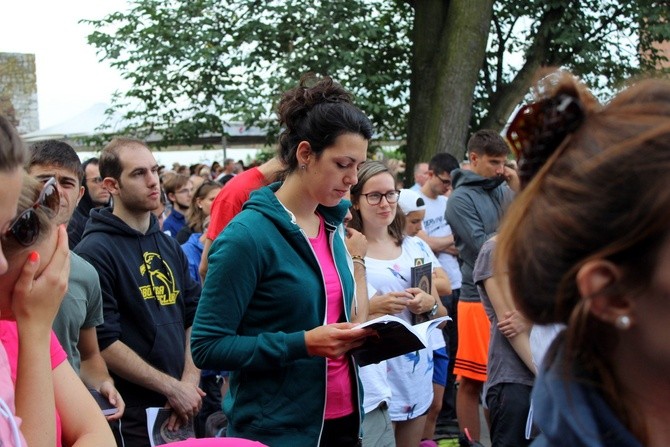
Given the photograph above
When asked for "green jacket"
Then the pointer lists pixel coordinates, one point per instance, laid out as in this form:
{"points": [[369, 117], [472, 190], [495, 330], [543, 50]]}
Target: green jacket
{"points": [[264, 288]]}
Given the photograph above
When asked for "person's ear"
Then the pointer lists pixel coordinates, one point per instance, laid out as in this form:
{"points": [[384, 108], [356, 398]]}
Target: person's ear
{"points": [[473, 157], [304, 153], [598, 282], [111, 185], [81, 193]]}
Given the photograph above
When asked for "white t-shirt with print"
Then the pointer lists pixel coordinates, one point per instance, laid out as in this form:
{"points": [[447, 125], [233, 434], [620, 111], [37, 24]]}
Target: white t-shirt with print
{"points": [[435, 224], [410, 376]]}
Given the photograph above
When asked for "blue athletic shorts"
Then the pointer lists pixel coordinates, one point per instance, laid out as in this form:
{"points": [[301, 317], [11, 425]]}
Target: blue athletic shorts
{"points": [[440, 365]]}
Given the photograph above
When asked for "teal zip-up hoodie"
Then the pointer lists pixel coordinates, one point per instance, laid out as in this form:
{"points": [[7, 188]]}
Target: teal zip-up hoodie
{"points": [[264, 288]]}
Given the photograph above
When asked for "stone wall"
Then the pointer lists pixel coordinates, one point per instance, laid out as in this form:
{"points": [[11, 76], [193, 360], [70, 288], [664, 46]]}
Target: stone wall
{"points": [[18, 91]]}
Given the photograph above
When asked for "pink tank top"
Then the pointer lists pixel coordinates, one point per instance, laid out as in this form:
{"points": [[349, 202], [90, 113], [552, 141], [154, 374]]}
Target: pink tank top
{"points": [[10, 434], [339, 401], [9, 336]]}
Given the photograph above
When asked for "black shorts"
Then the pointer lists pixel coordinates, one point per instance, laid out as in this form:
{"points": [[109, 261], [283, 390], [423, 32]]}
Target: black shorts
{"points": [[508, 405]]}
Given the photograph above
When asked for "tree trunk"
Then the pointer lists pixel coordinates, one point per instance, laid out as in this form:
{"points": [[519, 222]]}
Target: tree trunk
{"points": [[449, 45], [429, 18]]}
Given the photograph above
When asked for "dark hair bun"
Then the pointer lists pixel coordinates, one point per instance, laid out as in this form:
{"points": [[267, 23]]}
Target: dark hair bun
{"points": [[317, 110], [311, 91]]}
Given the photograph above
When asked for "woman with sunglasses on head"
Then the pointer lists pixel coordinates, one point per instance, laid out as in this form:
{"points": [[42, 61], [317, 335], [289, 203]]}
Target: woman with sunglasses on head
{"points": [[389, 259], [587, 244], [32, 301], [278, 295], [31, 236]]}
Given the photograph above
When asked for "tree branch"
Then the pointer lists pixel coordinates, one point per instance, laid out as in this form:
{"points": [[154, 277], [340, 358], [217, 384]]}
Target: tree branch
{"points": [[508, 95]]}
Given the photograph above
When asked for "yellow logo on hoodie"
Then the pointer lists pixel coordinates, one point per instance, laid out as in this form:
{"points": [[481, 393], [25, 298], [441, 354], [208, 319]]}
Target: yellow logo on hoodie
{"points": [[162, 286]]}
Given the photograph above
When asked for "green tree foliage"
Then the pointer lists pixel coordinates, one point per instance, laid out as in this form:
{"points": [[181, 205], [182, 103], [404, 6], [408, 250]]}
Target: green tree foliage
{"points": [[194, 62], [599, 40], [425, 70]]}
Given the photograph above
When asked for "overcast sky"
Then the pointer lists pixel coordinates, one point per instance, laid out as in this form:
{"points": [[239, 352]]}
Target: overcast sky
{"points": [[69, 77]]}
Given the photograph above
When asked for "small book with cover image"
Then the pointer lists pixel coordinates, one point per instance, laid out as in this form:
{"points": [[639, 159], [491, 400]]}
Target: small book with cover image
{"points": [[394, 336], [422, 277]]}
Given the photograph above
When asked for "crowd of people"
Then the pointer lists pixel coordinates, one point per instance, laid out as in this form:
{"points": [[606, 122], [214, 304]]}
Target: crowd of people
{"points": [[233, 296]]}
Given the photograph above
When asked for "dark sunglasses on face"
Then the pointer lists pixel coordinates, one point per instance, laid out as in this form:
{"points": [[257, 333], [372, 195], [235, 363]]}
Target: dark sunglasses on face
{"points": [[25, 228]]}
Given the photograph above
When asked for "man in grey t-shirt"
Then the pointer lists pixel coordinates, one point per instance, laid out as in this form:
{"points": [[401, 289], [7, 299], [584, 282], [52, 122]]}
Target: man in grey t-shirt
{"points": [[81, 309], [509, 381]]}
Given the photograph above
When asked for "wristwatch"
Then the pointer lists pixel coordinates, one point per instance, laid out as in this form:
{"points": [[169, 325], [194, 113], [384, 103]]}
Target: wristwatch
{"points": [[433, 311]]}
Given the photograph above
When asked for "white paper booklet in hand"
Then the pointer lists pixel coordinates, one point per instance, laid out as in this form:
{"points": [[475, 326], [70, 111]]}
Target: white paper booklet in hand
{"points": [[394, 337]]}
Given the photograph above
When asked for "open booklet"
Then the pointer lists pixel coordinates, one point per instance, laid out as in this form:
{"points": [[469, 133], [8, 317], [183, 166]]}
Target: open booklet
{"points": [[394, 337], [157, 419]]}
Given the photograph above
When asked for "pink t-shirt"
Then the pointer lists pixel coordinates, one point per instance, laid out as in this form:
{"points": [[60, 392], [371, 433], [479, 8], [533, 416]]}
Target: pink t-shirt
{"points": [[9, 336], [9, 422], [339, 400]]}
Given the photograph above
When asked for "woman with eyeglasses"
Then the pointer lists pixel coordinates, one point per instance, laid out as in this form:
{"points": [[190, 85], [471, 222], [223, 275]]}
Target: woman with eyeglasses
{"points": [[389, 259], [278, 298], [587, 244]]}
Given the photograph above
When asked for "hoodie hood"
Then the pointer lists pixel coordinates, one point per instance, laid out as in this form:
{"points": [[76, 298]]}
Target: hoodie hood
{"points": [[78, 220], [194, 239], [103, 220], [265, 201], [460, 177], [571, 411], [86, 203]]}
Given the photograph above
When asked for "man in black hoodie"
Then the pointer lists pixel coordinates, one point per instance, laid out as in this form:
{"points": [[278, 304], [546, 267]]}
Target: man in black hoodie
{"points": [[95, 196], [149, 298]]}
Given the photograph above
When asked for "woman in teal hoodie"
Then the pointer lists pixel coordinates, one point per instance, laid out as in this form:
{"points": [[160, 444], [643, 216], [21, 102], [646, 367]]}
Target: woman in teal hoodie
{"points": [[275, 305]]}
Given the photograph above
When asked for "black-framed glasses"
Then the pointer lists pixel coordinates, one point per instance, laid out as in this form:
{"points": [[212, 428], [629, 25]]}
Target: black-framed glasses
{"points": [[445, 182], [375, 198], [25, 228]]}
